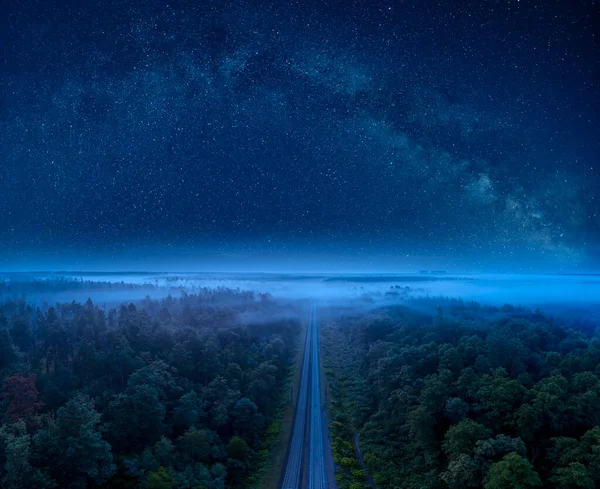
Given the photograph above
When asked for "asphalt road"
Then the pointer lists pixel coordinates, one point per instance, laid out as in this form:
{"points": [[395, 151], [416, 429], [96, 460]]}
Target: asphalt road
{"points": [[316, 467], [306, 467], [293, 471]]}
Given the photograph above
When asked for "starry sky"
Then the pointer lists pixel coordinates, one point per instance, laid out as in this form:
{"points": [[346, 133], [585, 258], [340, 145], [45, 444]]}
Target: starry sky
{"points": [[347, 134]]}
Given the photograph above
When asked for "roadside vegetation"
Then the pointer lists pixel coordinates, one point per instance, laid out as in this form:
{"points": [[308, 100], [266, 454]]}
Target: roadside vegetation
{"points": [[345, 390], [271, 458]]}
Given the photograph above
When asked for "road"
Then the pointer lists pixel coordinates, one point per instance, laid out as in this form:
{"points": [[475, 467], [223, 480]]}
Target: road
{"points": [[316, 467], [305, 467], [293, 469]]}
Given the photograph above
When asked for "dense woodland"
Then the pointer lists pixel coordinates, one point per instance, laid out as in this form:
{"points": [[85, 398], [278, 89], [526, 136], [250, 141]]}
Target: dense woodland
{"points": [[464, 397], [187, 393], [169, 394]]}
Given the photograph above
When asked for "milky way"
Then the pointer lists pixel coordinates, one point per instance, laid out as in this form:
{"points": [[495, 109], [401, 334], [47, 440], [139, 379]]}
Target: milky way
{"points": [[465, 136]]}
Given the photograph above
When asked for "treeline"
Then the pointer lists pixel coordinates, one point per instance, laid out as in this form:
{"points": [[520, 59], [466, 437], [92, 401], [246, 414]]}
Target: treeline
{"points": [[167, 394], [22, 286], [466, 397]]}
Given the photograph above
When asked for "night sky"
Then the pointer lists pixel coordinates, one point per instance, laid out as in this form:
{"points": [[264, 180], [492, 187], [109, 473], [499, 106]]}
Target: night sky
{"points": [[359, 135]]}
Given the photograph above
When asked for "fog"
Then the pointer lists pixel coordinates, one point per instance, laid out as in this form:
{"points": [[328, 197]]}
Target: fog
{"points": [[543, 291]]}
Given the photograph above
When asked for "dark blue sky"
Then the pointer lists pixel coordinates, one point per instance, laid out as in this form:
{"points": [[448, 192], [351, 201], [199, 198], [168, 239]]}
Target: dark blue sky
{"points": [[373, 135]]}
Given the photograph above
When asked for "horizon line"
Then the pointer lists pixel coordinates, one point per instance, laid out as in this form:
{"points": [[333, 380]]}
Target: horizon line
{"points": [[295, 272]]}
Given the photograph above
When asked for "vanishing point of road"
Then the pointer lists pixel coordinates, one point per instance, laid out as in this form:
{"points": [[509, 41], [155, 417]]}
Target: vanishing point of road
{"points": [[306, 466]]}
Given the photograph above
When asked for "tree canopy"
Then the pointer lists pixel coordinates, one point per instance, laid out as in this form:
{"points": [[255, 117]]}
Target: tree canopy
{"points": [[175, 393], [448, 394]]}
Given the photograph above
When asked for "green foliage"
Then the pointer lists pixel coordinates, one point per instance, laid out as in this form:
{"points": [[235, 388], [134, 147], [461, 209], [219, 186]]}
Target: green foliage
{"points": [[160, 479], [247, 421], [569, 455], [456, 409], [7, 352], [575, 475], [190, 410], [197, 445], [164, 452], [461, 438], [465, 396], [71, 450], [137, 418], [463, 471], [271, 447], [18, 471], [238, 449], [168, 394], [512, 472], [343, 409]]}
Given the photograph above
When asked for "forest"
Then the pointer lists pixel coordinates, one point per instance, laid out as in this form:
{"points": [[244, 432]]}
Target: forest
{"points": [[188, 392], [162, 394], [463, 396]]}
